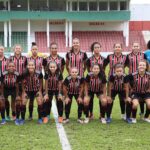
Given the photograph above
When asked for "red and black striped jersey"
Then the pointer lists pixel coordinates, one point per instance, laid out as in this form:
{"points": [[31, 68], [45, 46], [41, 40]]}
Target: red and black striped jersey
{"points": [[73, 86], [92, 60], [3, 64], [59, 60], [0, 78], [32, 82], [39, 62], [53, 80], [10, 80], [77, 60], [133, 59], [118, 82], [95, 82], [139, 84], [20, 63], [112, 59]]}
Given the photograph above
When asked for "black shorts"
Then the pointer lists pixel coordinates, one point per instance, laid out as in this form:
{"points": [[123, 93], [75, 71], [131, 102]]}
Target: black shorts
{"points": [[73, 95], [20, 88], [52, 93], [140, 97], [91, 94], [31, 95], [121, 94], [10, 92]]}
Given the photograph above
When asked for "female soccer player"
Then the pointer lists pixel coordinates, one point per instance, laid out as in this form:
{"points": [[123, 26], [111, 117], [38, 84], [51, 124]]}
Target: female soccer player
{"points": [[55, 57], [116, 86], [116, 57], [140, 86], [132, 62], [96, 84], [147, 53], [39, 63], [20, 66], [53, 87], [73, 86], [76, 58], [32, 88], [10, 80], [95, 58], [2, 100], [3, 67], [112, 59]]}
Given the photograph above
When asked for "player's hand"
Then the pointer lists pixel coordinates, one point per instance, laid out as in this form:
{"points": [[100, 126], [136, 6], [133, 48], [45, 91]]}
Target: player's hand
{"points": [[67, 100], [86, 100], [109, 100], [128, 99], [45, 98], [80, 100], [60, 97]]}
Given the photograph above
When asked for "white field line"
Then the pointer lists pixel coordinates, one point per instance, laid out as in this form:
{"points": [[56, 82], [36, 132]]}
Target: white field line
{"points": [[60, 129]]}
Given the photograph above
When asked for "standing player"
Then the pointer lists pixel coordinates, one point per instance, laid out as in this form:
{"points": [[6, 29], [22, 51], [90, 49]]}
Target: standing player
{"points": [[20, 66], [95, 58], [39, 63], [147, 53], [112, 59], [55, 57], [140, 86], [76, 58], [32, 88], [96, 84], [2, 100], [10, 80], [116, 86], [53, 87], [132, 62], [3, 67], [73, 86]]}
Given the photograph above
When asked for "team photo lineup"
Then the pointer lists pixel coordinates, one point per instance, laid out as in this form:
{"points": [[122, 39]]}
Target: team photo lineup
{"points": [[41, 78]]}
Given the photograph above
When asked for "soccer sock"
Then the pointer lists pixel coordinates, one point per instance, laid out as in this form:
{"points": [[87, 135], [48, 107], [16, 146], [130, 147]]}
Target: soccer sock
{"points": [[49, 106], [80, 109], [40, 111], [23, 111], [134, 113], [142, 107], [128, 110], [100, 108], [109, 109], [13, 113], [30, 108], [91, 106], [45, 109], [122, 106], [147, 113], [86, 110], [103, 110], [67, 110], [60, 108], [18, 110], [7, 107], [3, 112]]}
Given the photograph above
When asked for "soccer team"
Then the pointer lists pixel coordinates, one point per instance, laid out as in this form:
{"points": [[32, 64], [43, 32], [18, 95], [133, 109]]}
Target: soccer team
{"points": [[23, 79]]}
